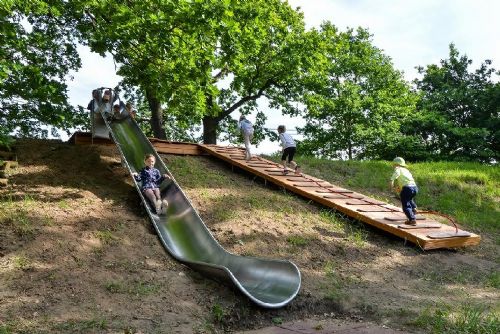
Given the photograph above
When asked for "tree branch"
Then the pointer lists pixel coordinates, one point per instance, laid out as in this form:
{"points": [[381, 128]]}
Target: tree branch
{"points": [[245, 99]]}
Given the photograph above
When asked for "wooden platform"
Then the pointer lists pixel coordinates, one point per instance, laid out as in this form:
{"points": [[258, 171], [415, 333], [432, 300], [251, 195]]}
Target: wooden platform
{"points": [[161, 146], [428, 234], [172, 147]]}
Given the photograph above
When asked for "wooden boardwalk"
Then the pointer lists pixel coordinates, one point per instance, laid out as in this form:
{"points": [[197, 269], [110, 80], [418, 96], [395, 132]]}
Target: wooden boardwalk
{"points": [[427, 234]]}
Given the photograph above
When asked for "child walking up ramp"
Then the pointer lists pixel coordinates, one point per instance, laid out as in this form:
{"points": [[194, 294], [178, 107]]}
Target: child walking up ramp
{"points": [[427, 233]]}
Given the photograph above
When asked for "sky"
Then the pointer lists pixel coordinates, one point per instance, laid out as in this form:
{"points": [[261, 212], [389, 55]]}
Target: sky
{"points": [[411, 32]]}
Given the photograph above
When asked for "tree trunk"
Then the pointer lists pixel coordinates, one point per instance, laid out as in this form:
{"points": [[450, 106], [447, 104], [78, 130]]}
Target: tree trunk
{"points": [[156, 115], [210, 129]]}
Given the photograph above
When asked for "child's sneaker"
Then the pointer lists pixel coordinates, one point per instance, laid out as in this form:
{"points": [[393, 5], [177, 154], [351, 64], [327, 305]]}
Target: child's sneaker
{"points": [[158, 206], [411, 222], [298, 171], [285, 171], [164, 206]]}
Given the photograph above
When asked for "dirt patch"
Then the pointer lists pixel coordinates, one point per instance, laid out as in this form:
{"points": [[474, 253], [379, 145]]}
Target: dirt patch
{"points": [[78, 255]]}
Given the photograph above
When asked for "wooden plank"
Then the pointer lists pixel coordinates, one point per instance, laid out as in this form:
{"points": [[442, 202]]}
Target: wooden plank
{"points": [[398, 219], [337, 190], [381, 215], [420, 225], [444, 235]]}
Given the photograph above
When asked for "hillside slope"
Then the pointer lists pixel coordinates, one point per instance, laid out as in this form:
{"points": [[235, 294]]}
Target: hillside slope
{"points": [[77, 254]]}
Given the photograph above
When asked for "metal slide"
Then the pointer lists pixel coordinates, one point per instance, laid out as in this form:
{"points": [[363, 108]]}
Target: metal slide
{"points": [[268, 283]]}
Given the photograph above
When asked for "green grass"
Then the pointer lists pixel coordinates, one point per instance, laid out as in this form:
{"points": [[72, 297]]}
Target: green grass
{"points": [[297, 240], [218, 312], [469, 192], [334, 286], [15, 214], [106, 236], [83, 326], [135, 288], [493, 280], [466, 319], [21, 262]]}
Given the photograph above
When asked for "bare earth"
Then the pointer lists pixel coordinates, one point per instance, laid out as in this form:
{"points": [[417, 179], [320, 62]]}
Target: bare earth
{"points": [[78, 255]]}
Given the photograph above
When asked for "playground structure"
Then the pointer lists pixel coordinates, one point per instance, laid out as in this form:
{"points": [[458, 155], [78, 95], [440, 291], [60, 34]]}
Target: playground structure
{"points": [[427, 234], [269, 283]]}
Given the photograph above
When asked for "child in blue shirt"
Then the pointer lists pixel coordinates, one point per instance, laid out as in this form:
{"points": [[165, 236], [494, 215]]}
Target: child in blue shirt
{"points": [[151, 180]]}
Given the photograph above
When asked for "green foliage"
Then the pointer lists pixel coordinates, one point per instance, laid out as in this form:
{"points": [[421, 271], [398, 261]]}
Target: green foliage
{"points": [[201, 60], [37, 51], [466, 319], [457, 116], [355, 98]]}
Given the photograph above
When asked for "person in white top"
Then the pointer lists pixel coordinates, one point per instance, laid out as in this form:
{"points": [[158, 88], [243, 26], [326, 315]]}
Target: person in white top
{"points": [[246, 129], [289, 149]]}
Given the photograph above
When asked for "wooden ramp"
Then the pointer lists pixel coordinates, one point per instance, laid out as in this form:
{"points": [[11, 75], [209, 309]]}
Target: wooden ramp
{"points": [[427, 234]]}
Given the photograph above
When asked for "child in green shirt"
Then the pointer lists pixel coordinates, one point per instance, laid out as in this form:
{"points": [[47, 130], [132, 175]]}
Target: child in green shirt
{"points": [[402, 181]]}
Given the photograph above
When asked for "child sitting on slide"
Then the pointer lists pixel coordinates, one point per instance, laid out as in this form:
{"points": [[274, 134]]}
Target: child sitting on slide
{"points": [[151, 180]]}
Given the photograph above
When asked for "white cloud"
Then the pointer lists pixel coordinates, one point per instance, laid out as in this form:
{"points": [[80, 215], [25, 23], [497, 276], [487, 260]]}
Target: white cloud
{"points": [[416, 32]]}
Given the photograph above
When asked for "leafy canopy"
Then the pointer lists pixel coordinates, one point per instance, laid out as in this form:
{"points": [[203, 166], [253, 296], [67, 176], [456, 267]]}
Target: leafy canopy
{"points": [[37, 51], [355, 100]]}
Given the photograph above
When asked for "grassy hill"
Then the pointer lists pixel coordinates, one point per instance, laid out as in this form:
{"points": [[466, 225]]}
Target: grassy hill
{"points": [[469, 192], [78, 255]]}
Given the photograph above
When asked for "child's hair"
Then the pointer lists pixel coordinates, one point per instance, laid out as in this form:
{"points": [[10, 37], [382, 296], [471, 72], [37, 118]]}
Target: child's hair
{"points": [[281, 129], [149, 155]]}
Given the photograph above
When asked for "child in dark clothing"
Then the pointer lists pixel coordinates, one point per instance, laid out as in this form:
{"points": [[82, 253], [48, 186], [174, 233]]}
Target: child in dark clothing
{"points": [[151, 180]]}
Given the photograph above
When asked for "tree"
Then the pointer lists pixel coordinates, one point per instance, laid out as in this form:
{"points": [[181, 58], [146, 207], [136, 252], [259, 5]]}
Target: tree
{"points": [[355, 99], [199, 61], [458, 112], [36, 54]]}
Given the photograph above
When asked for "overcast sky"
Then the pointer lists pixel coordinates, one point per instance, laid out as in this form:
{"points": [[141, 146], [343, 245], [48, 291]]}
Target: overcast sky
{"points": [[410, 32]]}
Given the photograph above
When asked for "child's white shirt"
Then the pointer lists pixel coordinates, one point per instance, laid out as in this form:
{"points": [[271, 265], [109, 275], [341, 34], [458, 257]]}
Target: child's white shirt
{"points": [[286, 140], [245, 126]]}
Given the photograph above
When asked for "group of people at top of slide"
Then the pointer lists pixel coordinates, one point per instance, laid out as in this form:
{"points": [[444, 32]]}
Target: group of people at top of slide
{"points": [[118, 110], [286, 142], [149, 176], [401, 181]]}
